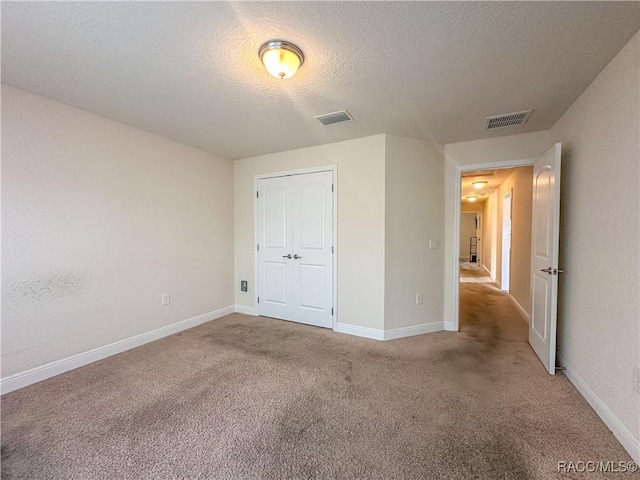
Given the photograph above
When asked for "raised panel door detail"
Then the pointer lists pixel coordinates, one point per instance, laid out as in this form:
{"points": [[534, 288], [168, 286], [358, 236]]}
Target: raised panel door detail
{"points": [[539, 311], [276, 282], [542, 196], [312, 217], [274, 214], [312, 286]]}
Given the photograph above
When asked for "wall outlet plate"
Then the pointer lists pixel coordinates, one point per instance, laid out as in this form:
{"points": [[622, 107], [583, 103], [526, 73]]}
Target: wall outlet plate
{"points": [[166, 299], [244, 286], [419, 299]]}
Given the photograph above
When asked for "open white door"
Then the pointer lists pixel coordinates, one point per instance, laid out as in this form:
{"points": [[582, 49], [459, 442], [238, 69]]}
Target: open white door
{"points": [[545, 237]]}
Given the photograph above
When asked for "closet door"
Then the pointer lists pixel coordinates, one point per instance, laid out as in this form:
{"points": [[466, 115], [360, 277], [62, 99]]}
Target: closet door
{"points": [[275, 237], [295, 257], [312, 211]]}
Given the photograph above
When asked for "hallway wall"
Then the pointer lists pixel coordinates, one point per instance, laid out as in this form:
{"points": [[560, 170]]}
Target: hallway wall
{"points": [[520, 285]]}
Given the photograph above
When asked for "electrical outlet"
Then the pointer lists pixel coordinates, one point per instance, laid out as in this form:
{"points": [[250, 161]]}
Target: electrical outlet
{"points": [[419, 299], [166, 299], [636, 379], [433, 243]]}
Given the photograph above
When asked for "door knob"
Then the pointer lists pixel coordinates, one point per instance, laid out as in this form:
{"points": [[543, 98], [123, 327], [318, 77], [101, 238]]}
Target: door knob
{"points": [[286, 256], [547, 270], [296, 256]]}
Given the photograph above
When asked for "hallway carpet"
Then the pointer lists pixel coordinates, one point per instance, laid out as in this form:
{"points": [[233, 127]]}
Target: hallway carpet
{"points": [[244, 397]]}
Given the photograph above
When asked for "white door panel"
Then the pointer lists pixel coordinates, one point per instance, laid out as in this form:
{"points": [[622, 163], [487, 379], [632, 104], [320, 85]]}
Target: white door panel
{"points": [[296, 218], [274, 238], [544, 263]]}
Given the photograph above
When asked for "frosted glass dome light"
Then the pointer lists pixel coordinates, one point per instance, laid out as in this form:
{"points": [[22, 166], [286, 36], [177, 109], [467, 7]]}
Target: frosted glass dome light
{"points": [[281, 59]]}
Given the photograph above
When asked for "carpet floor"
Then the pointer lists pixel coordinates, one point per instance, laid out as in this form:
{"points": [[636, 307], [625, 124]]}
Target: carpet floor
{"points": [[244, 397]]}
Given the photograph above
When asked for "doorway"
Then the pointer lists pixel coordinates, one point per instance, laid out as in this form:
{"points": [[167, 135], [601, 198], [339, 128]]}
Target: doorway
{"points": [[470, 237], [542, 256], [506, 240], [295, 246]]}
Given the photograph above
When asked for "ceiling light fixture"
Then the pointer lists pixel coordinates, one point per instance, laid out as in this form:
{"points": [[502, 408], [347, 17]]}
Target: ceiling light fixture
{"points": [[472, 198], [479, 184], [281, 59]]}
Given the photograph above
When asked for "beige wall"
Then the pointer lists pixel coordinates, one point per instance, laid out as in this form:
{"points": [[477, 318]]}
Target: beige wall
{"points": [[414, 214], [361, 219], [599, 305], [98, 221], [472, 207], [521, 183]]}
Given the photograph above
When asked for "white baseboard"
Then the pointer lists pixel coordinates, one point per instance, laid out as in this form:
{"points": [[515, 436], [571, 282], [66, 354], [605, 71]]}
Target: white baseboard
{"points": [[43, 372], [246, 310], [624, 436], [520, 309], [358, 331], [449, 327], [487, 270], [414, 330], [392, 334]]}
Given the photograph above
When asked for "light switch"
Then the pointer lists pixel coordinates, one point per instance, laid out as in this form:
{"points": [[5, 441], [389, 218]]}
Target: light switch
{"points": [[433, 243]]}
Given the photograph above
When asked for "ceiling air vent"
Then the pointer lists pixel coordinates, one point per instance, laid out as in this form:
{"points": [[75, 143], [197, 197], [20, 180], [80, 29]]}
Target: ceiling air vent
{"points": [[334, 117], [478, 173], [507, 120]]}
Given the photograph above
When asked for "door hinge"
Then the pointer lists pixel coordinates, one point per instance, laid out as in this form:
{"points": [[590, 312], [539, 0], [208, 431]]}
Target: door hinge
{"points": [[332, 187], [332, 312], [332, 250], [258, 247], [258, 299], [257, 194]]}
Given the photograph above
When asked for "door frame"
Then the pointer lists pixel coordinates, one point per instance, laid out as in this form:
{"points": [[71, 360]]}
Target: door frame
{"points": [[452, 289], [289, 173], [479, 227], [508, 194]]}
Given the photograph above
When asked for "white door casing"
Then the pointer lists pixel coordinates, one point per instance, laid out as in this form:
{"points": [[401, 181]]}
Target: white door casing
{"points": [[505, 277], [545, 238], [295, 257]]}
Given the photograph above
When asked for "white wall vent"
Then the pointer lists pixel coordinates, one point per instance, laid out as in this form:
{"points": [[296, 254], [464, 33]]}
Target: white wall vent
{"points": [[334, 117], [507, 120], [478, 173]]}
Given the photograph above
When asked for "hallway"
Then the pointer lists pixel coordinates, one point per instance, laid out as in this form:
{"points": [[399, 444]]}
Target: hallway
{"points": [[485, 310]]}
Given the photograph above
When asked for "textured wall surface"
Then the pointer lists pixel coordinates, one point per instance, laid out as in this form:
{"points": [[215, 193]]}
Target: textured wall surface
{"points": [[98, 221], [414, 214], [361, 217], [599, 307]]}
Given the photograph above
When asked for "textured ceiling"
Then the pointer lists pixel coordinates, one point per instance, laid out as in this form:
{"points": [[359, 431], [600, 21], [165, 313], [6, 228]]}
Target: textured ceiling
{"points": [[493, 182], [431, 70]]}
